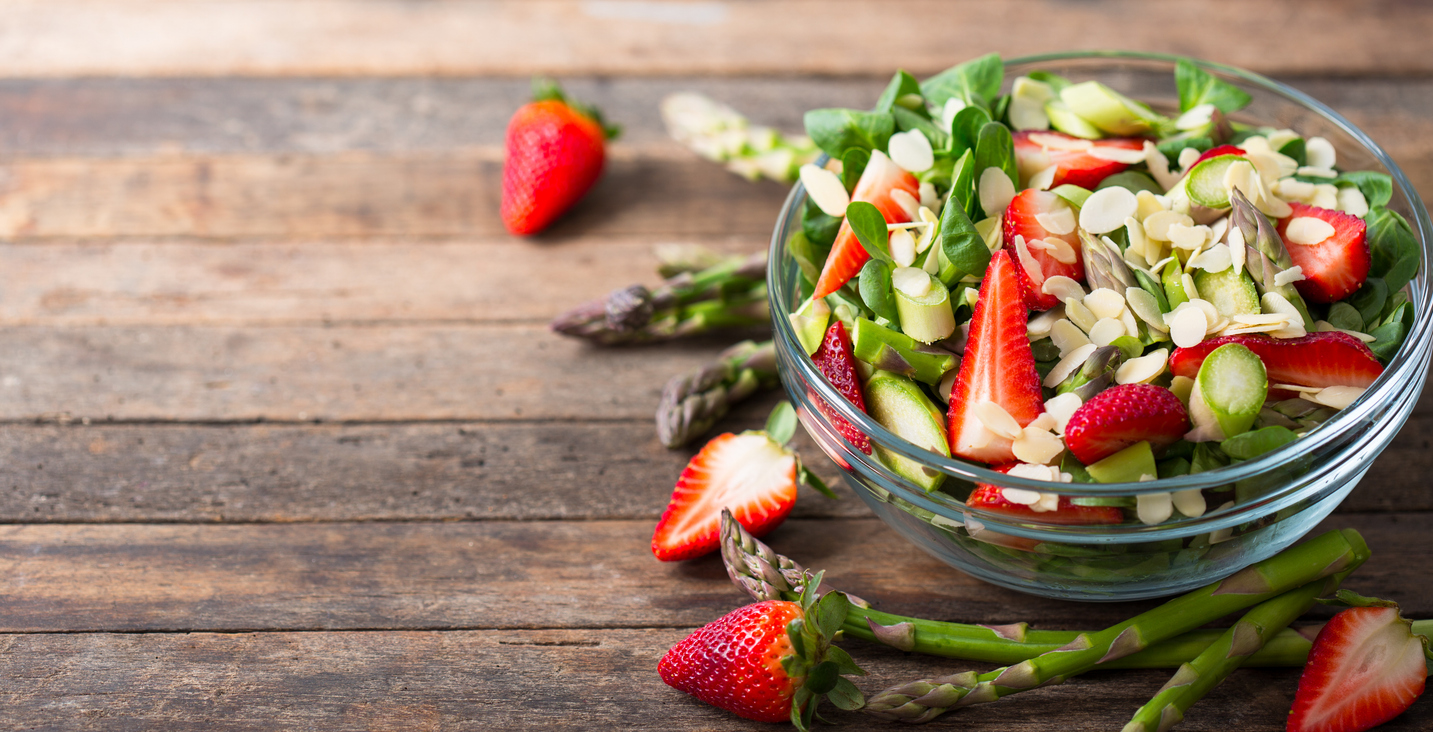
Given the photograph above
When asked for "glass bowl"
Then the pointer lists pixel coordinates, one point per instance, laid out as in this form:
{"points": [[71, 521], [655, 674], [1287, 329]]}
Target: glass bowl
{"points": [[1289, 490]]}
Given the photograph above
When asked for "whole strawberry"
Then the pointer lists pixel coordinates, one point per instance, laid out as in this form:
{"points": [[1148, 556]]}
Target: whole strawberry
{"points": [[555, 152], [770, 661]]}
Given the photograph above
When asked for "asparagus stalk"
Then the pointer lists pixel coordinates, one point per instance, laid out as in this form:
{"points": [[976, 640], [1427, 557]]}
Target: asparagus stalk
{"points": [[721, 134], [731, 294], [1105, 265], [924, 700], [1266, 256], [692, 403], [766, 575], [893, 351], [1233, 647]]}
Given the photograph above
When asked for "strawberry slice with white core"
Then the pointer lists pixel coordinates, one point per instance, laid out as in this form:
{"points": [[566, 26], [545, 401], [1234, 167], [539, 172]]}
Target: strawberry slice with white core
{"points": [[1365, 668], [1331, 247], [748, 473], [1042, 224], [998, 367], [1315, 360], [1077, 161], [878, 180]]}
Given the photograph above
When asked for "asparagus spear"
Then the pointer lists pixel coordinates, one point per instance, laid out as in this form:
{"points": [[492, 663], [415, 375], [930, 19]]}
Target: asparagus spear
{"points": [[721, 134], [924, 700], [1105, 265], [1266, 255], [1234, 646], [692, 403], [730, 294], [767, 575]]}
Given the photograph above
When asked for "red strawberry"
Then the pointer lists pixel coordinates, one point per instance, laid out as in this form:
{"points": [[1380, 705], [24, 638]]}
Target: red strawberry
{"points": [[998, 367], [1334, 267], [877, 181], [1123, 415], [1365, 668], [554, 155], [1074, 166], [833, 358], [1216, 151], [1317, 359], [1020, 221], [749, 473], [992, 498]]}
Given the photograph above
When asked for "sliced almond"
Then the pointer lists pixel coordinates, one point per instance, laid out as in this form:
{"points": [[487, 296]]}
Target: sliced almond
{"points": [[1068, 364], [1020, 496], [1059, 221], [1146, 307], [911, 150], [1048, 501], [1261, 318], [1045, 421], [1190, 290], [903, 247], [1294, 189], [1352, 202], [1037, 446], [996, 419], [929, 198], [1079, 314], [1062, 407], [1105, 303], [1149, 204], [1187, 156], [1154, 508], [1214, 259], [1157, 225], [908, 203], [1211, 314], [825, 190], [1116, 154], [1042, 179], [1106, 209], [1238, 254], [1337, 397], [1059, 142], [992, 232], [1319, 153], [1131, 325], [1289, 276], [1027, 104], [1190, 502], [1028, 263], [1187, 327], [1034, 472], [1106, 330], [1066, 336], [947, 383], [1039, 326], [1307, 230], [996, 190], [1158, 166], [1061, 251], [1323, 326], [1197, 116], [1143, 369], [1189, 237], [1325, 196], [1063, 288]]}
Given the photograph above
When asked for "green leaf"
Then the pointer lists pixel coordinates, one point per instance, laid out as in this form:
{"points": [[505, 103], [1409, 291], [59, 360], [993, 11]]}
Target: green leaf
{"points": [[996, 149], [1001, 108], [962, 182], [1345, 317], [1070, 464], [822, 679], [960, 243], [1130, 347], [793, 634], [853, 164], [1207, 456], [837, 130], [1389, 336], [976, 82], [1133, 181], [875, 285], [965, 128], [1376, 187], [843, 660], [819, 228], [1249, 445], [781, 423], [908, 120], [812, 480], [870, 228], [1369, 299], [831, 613], [1295, 149], [800, 707], [901, 84], [1393, 248], [1152, 286], [846, 696], [1175, 145], [1173, 467], [1057, 83], [1197, 86]]}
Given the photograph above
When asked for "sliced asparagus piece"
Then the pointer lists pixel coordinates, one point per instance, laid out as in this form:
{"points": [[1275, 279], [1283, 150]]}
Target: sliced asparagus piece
{"points": [[721, 134], [693, 402], [897, 352], [902, 407], [1228, 393], [1266, 256]]}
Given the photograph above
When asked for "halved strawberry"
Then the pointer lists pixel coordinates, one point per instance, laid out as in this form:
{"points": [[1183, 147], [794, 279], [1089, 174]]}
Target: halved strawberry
{"points": [[998, 367], [749, 473], [833, 358], [1123, 415], [1021, 221], [1365, 668], [880, 177], [1317, 359], [992, 498], [1037, 150], [1334, 267], [1215, 152]]}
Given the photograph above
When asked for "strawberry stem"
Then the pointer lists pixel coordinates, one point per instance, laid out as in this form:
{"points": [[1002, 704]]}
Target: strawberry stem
{"points": [[545, 89]]}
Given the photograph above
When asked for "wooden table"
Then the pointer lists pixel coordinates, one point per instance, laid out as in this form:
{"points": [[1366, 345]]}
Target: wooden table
{"points": [[288, 445]]}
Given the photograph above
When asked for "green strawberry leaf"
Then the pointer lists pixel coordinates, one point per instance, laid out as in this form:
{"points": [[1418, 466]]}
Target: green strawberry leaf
{"points": [[822, 679], [813, 481], [831, 613], [793, 633], [800, 703], [843, 659], [781, 423], [846, 696]]}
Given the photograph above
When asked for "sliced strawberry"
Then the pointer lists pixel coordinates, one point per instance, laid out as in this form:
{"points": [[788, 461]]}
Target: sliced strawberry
{"points": [[1035, 151], [1215, 152], [1365, 668], [1317, 359], [748, 473], [1123, 415], [992, 498], [1021, 221], [1334, 267], [847, 257], [998, 367], [833, 358]]}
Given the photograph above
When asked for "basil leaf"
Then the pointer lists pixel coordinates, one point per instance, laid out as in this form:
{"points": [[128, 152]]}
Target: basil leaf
{"points": [[1376, 187], [853, 164], [1345, 317], [908, 120], [961, 245], [818, 227], [837, 130], [1369, 299], [1197, 86], [901, 84], [965, 128], [996, 149], [875, 286], [1249, 445], [870, 228], [1394, 250], [975, 82], [1295, 149]]}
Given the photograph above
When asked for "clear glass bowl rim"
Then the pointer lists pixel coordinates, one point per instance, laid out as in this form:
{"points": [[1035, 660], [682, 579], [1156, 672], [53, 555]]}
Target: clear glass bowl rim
{"points": [[1400, 373]]}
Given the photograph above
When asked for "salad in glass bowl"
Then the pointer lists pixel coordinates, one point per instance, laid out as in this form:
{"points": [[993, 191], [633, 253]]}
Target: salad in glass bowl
{"points": [[1109, 341]]}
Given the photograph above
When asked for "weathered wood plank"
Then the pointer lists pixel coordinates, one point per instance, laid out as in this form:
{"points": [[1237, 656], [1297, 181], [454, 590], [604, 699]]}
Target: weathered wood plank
{"points": [[525, 574], [510, 680], [390, 37], [52, 473]]}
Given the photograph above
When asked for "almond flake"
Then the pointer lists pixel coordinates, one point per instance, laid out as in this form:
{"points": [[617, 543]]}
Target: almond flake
{"points": [[825, 190], [1279, 138], [1131, 325], [1238, 254], [1104, 303], [1106, 331], [1048, 501], [1261, 319], [1065, 336], [1289, 276], [1323, 326], [1027, 262], [1146, 307], [1059, 142], [1211, 314], [1307, 230], [1190, 291], [1296, 387], [1060, 221], [996, 190], [1158, 166], [911, 281], [1040, 245], [1338, 397], [1294, 190], [929, 198], [1187, 156], [1319, 153], [1187, 327], [1157, 225], [1063, 288], [1079, 314], [1214, 259], [1197, 116], [947, 113], [1061, 251], [1037, 446], [991, 232], [1042, 180], [1034, 472], [996, 419], [1068, 364], [911, 150], [1149, 204], [927, 234], [1039, 326], [1190, 502], [1273, 302], [1325, 196], [1045, 421], [1138, 242], [1219, 228], [947, 383], [1154, 508], [1159, 266], [1143, 369], [1352, 202], [1027, 104], [903, 247], [1116, 154], [1020, 496], [908, 203], [1189, 237], [1106, 209], [1062, 407]]}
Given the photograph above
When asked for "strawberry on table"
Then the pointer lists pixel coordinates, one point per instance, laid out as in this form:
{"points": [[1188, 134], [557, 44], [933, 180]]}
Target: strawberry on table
{"points": [[1314, 360], [1365, 668], [1026, 217], [1074, 161], [555, 152], [835, 361], [880, 178], [1122, 416], [998, 367], [1331, 247]]}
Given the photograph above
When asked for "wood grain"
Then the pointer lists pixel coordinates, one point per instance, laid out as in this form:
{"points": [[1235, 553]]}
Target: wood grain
{"points": [[511, 680], [522, 37], [403, 472], [515, 574]]}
